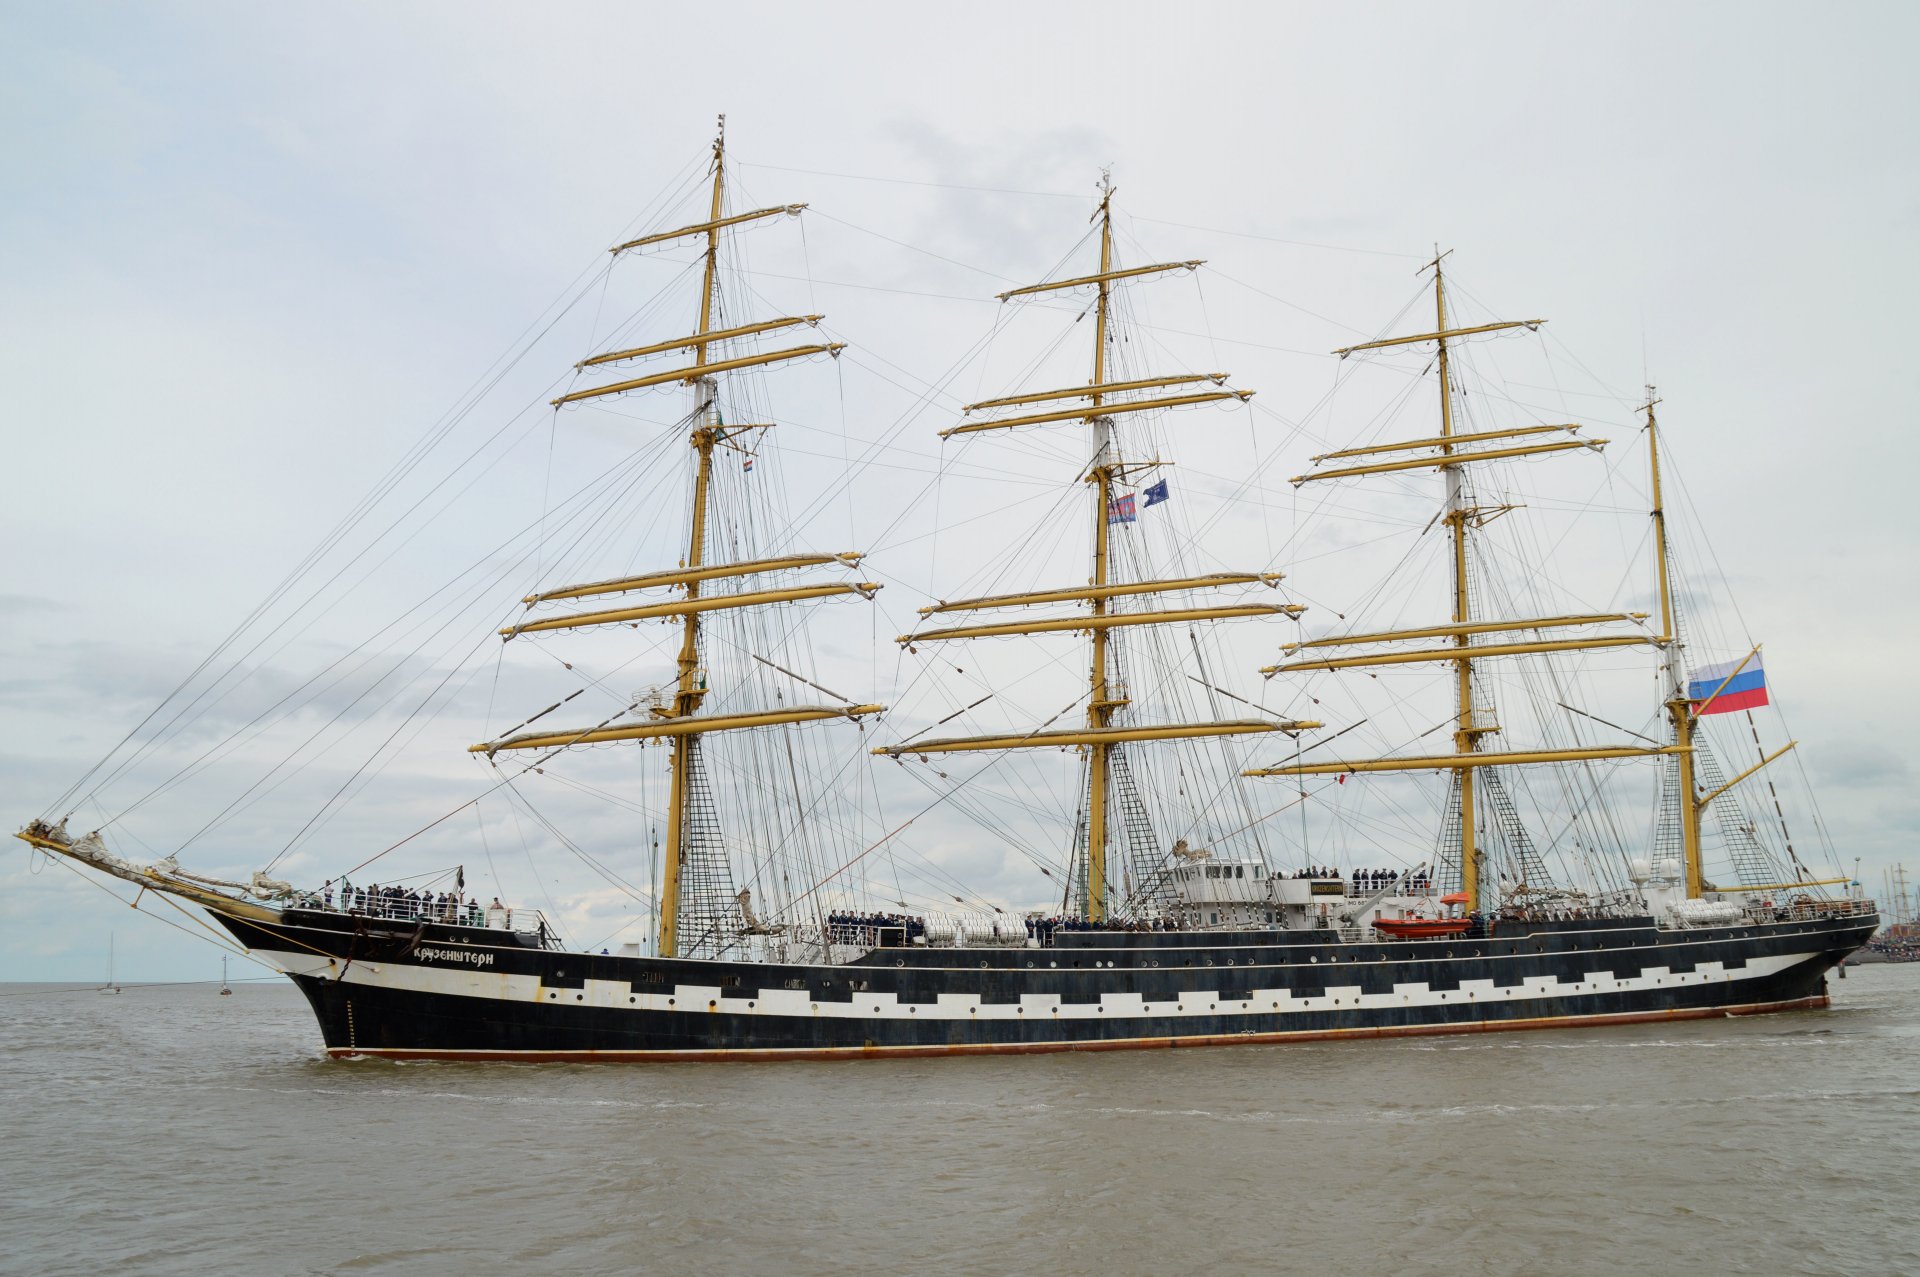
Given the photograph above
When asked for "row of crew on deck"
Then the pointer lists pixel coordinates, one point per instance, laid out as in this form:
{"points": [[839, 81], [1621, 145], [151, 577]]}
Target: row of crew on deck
{"points": [[1370, 879], [1042, 929], [1374, 879], [875, 928], [406, 905]]}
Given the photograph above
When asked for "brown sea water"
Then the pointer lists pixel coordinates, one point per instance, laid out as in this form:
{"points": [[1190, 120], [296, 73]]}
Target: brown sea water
{"points": [[169, 1130]]}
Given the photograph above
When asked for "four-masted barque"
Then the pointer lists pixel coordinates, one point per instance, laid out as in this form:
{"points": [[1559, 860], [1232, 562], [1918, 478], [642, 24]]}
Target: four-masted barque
{"points": [[1209, 937]]}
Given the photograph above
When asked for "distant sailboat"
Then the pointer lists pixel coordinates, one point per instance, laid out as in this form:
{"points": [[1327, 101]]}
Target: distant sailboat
{"points": [[110, 986], [225, 990]]}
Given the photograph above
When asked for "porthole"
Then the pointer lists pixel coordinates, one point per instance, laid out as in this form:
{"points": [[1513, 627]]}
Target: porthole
{"points": [[1055, 964], [711, 1004], [579, 997], [899, 962], [750, 1006], [876, 1010], [631, 1000], [973, 1010], [669, 1001], [1020, 1011], [1180, 1006]]}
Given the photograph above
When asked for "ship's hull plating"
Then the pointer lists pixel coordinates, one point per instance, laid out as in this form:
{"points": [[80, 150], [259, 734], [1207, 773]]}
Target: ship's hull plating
{"points": [[405, 991]]}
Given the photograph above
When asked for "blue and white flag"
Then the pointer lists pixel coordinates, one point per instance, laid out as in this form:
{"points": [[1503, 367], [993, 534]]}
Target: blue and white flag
{"points": [[1157, 493]]}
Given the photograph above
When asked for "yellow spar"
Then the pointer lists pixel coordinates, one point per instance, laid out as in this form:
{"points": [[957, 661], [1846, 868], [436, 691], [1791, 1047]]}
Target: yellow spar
{"points": [[1442, 441], [1103, 278], [1442, 335], [687, 606], [1467, 627], [692, 725], [1094, 736], [700, 339], [1448, 459], [698, 371], [1088, 592], [1458, 653], [1099, 622], [1098, 410], [684, 576], [709, 228], [1108, 388], [1458, 762]]}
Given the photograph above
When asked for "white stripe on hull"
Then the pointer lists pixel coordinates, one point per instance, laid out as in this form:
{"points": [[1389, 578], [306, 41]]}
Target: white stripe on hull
{"points": [[613, 995]]}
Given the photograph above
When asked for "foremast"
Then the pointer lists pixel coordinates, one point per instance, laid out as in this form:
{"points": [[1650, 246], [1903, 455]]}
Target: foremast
{"points": [[1462, 516], [1104, 400], [689, 691], [680, 723]]}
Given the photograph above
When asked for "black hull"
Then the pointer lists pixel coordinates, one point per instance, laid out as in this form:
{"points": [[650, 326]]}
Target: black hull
{"points": [[410, 992]]}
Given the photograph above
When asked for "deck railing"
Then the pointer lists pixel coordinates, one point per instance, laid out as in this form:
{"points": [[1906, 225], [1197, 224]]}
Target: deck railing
{"points": [[401, 909]]}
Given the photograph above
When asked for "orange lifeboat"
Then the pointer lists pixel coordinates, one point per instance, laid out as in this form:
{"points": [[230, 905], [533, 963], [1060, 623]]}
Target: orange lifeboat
{"points": [[1422, 928]]}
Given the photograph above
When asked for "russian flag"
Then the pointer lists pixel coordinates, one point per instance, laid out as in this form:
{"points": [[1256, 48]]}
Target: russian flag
{"points": [[1746, 689]]}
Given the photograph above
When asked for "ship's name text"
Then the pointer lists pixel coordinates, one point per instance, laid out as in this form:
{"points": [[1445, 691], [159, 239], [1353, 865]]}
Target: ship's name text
{"points": [[472, 957]]}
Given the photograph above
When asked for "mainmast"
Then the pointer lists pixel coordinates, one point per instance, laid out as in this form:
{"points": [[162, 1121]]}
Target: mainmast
{"points": [[1464, 633], [1100, 700], [1104, 400], [681, 724]]}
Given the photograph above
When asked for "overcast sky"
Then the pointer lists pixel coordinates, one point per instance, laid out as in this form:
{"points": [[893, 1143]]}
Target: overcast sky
{"points": [[253, 253]]}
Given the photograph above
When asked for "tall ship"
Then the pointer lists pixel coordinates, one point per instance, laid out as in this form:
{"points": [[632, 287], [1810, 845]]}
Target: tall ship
{"points": [[1168, 905]]}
